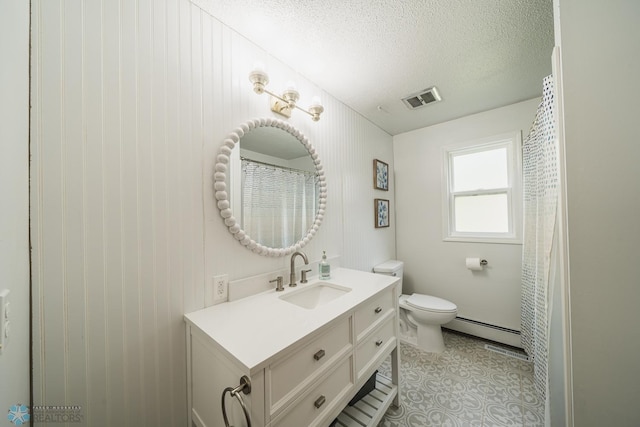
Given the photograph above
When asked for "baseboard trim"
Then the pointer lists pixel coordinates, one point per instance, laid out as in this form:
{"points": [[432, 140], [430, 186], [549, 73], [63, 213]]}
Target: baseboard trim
{"points": [[487, 331]]}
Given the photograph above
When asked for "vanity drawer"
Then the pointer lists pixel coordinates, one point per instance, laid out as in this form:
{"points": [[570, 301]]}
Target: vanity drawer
{"points": [[291, 375], [310, 410], [367, 317], [380, 341]]}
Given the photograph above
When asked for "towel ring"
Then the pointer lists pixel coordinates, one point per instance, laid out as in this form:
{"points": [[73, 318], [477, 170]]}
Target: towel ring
{"points": [[245, 387]]}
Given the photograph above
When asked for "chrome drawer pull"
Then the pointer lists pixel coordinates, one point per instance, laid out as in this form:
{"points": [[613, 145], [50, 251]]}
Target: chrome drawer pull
{"points": [[319, 355], [378, 310], [379, 343], [319, 402]]}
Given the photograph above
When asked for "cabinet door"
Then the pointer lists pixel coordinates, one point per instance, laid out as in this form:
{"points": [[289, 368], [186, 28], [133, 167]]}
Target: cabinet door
{"points": [[313, 409], [371, 349], [291, 375], [371, 313]]}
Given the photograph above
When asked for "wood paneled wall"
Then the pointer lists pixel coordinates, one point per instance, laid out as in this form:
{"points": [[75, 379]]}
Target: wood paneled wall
{"points": [[130, 103]]}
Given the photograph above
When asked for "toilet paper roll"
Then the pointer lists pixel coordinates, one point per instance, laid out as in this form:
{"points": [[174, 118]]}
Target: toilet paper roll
{"points": [[473, 264]]}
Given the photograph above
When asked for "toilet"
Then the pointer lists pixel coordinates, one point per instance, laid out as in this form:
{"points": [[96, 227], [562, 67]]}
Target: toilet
{"points": [[421, 316]]}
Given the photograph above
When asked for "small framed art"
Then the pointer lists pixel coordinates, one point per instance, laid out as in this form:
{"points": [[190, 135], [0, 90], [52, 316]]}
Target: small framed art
{"points": [[382, 212], [380, 175]]}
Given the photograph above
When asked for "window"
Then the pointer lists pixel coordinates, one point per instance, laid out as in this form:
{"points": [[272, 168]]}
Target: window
{"points": [[481, 190]]}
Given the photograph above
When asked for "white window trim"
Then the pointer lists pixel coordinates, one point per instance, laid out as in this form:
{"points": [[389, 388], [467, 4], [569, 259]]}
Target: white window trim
{"points": [[513, 142]]}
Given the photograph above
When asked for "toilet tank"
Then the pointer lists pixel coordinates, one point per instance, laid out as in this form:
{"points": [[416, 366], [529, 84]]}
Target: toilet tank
{"points": [[390, 268]]}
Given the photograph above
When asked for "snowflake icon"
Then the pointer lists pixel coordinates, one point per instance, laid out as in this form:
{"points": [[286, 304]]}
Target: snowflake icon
{"points": [[18, 414]]}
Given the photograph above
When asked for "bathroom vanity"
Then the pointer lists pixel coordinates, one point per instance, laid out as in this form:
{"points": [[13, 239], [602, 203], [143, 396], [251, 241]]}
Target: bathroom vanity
{"points": [[306, 351]]}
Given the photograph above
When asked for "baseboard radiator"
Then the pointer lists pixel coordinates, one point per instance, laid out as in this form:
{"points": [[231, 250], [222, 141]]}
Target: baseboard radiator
{"points": [[485, 330]]}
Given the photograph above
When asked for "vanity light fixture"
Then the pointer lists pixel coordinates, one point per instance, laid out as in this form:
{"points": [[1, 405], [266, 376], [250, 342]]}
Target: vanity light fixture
{"points": [[284, 104]]}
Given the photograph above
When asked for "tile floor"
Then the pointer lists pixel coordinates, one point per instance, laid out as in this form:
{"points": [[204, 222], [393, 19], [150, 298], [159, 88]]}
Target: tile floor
{"points": [[466, 385]]}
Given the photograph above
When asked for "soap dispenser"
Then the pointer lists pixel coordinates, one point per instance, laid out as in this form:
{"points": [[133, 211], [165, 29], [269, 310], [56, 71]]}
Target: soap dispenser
{"points": [[325, 267]]}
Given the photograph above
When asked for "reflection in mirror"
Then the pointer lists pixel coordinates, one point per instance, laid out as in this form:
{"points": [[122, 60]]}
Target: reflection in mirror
{"points": [[278, 203], [276, 187]]}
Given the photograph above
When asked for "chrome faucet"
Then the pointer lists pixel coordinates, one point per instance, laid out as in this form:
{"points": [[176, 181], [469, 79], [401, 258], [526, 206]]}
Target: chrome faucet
{"points": [[292, 276]]}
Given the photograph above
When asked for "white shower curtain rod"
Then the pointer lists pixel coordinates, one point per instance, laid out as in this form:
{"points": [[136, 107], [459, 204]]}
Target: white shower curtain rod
{"points": [[278, 166]]}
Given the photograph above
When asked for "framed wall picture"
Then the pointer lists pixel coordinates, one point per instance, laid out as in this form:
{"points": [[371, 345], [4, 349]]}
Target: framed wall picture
{"points": [[381, 207], [380, 175]]}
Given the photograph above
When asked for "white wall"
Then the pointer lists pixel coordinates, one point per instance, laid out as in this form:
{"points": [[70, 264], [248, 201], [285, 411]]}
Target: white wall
{"points": [[131, 101], [14, 187], [600, 69], [433, 266], [558, 406]]}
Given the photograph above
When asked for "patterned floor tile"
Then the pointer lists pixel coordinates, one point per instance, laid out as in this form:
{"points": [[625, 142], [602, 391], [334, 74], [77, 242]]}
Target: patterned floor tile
{"points": [[466, 385]]}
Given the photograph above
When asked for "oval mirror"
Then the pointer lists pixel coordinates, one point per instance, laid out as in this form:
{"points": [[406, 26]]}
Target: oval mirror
{"points": [[270, 187]]}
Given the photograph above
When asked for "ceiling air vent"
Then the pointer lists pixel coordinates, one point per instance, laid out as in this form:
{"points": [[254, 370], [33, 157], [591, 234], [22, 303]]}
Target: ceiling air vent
{"points": [[422, 98]]}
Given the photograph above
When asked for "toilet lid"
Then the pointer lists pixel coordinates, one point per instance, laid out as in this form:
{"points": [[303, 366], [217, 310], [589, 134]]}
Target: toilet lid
{"points": [[429, 303]]}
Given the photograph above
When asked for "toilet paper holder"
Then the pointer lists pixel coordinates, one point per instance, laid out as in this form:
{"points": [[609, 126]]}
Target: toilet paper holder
{"points": [[476, 264]]}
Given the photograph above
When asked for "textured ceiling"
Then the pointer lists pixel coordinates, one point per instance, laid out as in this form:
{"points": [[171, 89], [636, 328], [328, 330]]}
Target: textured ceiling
{"points": [[481, 54]]}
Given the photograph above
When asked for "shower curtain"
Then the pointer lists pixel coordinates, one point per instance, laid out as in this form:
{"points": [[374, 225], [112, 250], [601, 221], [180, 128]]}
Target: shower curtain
{"points": [[278, 204], [540, 169]]}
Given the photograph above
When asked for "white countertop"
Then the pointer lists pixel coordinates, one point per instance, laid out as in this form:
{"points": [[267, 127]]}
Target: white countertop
{"points": [[255, 329]]}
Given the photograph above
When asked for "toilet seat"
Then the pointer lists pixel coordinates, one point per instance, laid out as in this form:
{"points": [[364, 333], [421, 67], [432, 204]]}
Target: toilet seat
{"points": [[430, 303]]}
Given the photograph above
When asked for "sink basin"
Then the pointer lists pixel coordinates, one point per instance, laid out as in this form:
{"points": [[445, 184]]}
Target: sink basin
{"points": [[315, 295]]}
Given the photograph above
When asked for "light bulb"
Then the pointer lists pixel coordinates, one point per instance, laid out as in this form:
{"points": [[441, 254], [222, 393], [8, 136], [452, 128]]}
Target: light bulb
{"points": [[258, 77], [258, 67], [291, 87]]}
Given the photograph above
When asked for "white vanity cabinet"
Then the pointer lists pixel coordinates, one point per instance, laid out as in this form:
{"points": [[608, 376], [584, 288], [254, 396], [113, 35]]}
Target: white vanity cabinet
{"points": [[304, 365], [291, 376]]}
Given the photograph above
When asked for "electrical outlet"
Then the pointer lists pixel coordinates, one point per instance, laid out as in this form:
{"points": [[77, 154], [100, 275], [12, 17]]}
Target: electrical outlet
{"points": [[220, 288], [4, 318]]}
